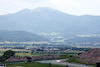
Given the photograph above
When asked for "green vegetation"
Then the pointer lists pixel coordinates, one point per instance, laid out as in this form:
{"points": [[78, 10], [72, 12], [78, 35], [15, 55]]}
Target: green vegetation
{"points": [[7, 55], [35, 53], [32, 65], [64, 56], [73, 59], [82, 39], [1, 53], [39, 53], [74, 49], [20, 36], [22, 52]]}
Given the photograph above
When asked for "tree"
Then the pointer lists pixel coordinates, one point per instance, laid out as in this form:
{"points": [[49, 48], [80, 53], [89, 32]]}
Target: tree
{"points": [[66, 65], [79, 53], [49, 65], [7, 55]]}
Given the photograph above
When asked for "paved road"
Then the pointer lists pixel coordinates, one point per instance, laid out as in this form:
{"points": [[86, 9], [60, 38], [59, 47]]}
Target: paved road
{"points": [[62, 63]]}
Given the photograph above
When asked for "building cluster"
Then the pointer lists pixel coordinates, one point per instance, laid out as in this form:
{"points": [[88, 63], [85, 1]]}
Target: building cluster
{"points": [[47, 48], [92, 55], [33, 58]]}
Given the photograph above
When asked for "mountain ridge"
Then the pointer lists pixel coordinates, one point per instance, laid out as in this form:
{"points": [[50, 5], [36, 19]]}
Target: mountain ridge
{"points": [[57, 21], [20, 36]]}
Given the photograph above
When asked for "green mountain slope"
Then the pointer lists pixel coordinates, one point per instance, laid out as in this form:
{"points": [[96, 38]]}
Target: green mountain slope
{"points": [[20, 36]]}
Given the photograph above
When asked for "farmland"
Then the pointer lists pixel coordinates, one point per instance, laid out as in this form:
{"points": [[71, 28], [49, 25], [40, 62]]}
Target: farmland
{"points": [[23, 52]]}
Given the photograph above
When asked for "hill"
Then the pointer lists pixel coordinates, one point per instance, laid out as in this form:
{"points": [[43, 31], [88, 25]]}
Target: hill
{"points": [[84, 40], [20, 36], [48, 20]]}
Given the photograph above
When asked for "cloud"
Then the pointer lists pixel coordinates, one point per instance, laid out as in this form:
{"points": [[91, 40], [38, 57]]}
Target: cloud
{"points": [[36, 1], [77, 7], [1, 14], [62, 4], [12, 6], [87, 7]]}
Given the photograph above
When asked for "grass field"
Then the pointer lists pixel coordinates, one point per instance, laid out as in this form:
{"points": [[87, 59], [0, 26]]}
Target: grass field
{"points": [[74, 60], [32, 65], [23, 52], [64, 56], [39, 54], [33, 54], [13, 49]]}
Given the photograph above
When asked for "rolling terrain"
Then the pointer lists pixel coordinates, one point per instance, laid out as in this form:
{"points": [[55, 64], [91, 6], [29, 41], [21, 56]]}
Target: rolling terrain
{"points": [[51, 24], [20, 36], [45, 19]]}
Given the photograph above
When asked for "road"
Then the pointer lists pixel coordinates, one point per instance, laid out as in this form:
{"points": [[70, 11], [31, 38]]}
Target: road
{"points": [[62, 62]]}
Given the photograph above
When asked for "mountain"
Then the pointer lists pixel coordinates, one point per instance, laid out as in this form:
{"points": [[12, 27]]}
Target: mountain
{"points": [[20, 36], [48, 20], [8, 24], [83, 40]]}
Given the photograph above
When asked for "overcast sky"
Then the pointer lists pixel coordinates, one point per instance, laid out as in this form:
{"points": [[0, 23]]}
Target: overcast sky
{"points": [[75, 7]]}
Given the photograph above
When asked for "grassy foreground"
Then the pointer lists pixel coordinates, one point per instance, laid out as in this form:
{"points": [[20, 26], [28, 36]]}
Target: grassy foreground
{"points": [[32, 65], [73, 59]]}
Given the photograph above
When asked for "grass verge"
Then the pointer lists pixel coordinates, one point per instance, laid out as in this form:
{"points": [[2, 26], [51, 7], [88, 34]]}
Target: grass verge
{"points": [[32, 65]]}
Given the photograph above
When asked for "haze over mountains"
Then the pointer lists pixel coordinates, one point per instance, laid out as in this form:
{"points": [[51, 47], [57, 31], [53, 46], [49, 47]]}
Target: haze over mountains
{"points": [[48, 20], [20, 36]]}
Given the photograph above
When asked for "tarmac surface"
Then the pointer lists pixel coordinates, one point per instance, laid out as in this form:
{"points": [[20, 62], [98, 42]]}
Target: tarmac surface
{"points": [[62, 62]]}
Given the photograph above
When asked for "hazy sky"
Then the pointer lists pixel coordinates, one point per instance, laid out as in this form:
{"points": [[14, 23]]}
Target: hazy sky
{"points": [[75, 7]]}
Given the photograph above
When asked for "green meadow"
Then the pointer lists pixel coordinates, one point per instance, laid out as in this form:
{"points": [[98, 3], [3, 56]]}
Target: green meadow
{"points": [[32, 65]]}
